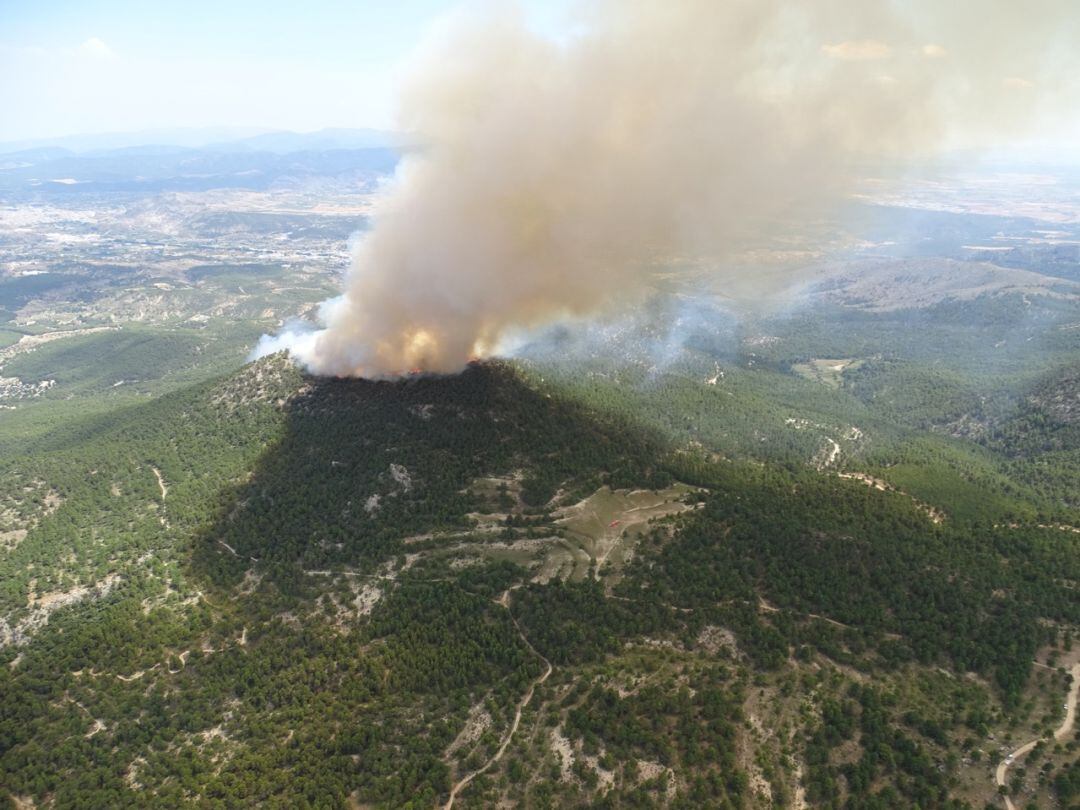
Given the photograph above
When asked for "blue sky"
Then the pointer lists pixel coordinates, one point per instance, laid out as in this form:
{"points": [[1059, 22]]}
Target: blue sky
{"points": [[83, 66]]}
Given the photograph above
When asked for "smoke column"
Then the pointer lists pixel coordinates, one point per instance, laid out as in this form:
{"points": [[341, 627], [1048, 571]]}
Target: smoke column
{"points": [[556, 177]]}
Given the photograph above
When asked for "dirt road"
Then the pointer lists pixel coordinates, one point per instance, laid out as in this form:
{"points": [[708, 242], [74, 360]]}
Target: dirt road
{"points": [[161, 483], [1061, 733], [504, 600]]}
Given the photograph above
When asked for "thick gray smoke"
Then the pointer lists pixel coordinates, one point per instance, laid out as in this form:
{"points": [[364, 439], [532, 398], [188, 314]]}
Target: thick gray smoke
{"points": [[557, 179]]}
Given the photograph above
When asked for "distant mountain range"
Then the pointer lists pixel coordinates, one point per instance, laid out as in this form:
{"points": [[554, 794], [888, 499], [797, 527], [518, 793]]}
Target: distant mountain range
{"points": [[226, 138], [81, 165]]}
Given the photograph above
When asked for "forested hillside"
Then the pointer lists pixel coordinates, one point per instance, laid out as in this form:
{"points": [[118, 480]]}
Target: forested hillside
{"points": [[303, 592], [687, 557]]}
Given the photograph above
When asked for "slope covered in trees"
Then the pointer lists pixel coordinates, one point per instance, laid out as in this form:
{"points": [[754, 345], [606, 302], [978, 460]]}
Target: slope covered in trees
{"points": [[265, 588]]}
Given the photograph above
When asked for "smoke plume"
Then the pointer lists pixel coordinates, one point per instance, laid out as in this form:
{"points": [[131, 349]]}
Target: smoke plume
{"points": [[556, 178]]}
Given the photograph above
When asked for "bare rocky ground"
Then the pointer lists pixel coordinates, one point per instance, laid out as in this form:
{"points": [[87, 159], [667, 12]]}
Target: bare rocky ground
{"points": [[595, 536]]}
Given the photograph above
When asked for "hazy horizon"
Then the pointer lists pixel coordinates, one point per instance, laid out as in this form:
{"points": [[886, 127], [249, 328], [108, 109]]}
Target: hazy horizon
{"points": [[110, 66]]}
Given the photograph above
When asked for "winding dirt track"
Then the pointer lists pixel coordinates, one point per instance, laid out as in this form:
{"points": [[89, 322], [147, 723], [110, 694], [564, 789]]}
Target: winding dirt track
{"points": [[1062, 731], [161, 484], [504, 600]]}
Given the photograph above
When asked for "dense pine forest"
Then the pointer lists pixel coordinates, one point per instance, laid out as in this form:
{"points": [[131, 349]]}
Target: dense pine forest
{"points": [[822, 560]]}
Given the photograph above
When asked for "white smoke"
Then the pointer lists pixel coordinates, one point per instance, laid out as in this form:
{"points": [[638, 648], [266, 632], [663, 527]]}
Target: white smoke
{"points": [[557, 179]]}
